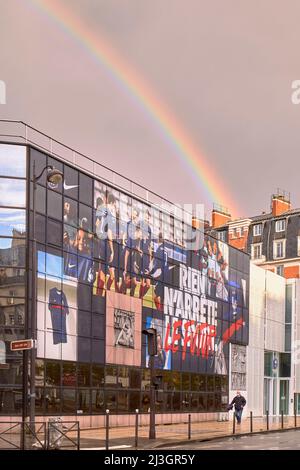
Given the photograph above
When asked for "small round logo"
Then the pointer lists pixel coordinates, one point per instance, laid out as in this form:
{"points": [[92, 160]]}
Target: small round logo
{"points": [[275, 363]]}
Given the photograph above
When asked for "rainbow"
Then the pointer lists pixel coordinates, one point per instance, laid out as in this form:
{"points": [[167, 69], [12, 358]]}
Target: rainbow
{"points": [[123, 74]]}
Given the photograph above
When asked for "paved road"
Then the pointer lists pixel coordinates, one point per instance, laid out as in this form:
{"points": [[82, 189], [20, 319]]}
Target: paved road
{"points": [[286, 440]]}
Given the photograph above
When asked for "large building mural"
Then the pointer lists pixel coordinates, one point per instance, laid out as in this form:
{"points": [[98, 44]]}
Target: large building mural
{"points": [[110, 265]]}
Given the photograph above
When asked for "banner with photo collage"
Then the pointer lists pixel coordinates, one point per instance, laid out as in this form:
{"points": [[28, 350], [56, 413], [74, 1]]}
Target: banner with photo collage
{"points": [[130, 264]]}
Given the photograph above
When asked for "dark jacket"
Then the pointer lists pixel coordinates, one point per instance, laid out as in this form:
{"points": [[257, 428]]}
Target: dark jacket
{"points": [[239, 402]]}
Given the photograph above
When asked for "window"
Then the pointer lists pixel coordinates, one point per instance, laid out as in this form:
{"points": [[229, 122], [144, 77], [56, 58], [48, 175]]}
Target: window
{"points": [[242, 231], [122, 399], [84, 323], [298, 245], [97, 376], [280, 225], [134, 378], [83, 375], [257, 251], [11, 401], [288, 337], [13, 160], [210, 402], [257, 230], [123, 380], [54, 205], [52, 373], [54, 232], [12, 222], [71, 183], [40, 198], [279, 270], [85, 217], [69, 401], [279, 249], [288, 303], [145, 379], [39, 372], [134, 401], [97, 401], [235, 232], [12, 252], [185, 381], [210, 383], [69, 374], [85, 189], [83, 400], [111, 400], [222, 236], [284, 365], [110, 376], [12, 192], [202, 402]]}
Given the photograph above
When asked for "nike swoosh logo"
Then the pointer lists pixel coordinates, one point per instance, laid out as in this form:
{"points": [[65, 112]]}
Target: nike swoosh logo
{"points": [[72, 265], [66, 186]]}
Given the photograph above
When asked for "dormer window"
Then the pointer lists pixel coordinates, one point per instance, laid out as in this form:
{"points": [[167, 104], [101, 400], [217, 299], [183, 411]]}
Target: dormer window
{"points": [[257, 230], [280, 225]]}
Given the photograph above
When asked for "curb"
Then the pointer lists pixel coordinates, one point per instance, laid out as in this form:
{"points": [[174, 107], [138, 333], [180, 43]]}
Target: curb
{"points": [[216, 438]]}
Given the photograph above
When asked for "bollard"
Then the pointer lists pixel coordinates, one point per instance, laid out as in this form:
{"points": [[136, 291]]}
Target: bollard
{"points": [[281, 419], [78, 435], [267, 416], [233, 423], [189, 426], [22, 440], [136, 427], [107, 430], [251, 421]]}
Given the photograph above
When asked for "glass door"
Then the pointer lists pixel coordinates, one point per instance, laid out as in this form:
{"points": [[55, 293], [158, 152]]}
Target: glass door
{"points": [[275, 384], [267, 395], [284, 396], [297, 404]]}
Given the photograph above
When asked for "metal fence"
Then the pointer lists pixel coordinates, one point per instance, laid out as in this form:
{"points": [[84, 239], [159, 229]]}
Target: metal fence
{"points": [[56, 434], [137, 435]]}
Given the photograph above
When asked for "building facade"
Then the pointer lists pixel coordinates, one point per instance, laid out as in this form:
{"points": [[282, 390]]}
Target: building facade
{"points": [[271, 239], [109, 265], [272, 362]]}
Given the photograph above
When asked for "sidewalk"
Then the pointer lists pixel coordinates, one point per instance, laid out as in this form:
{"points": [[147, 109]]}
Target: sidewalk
{"points": [[176, 434]]}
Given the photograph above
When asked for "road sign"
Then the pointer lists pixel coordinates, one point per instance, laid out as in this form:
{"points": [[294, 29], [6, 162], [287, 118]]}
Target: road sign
{"points": [[22, 344]]}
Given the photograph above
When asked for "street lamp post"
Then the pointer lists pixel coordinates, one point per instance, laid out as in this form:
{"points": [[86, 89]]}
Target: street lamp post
{"points": [[152, 433], [151, 334], [54, 177]]}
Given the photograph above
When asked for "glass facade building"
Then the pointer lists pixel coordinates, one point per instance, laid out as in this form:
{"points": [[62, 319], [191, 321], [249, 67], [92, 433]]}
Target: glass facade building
{"points": [[110, 265]]}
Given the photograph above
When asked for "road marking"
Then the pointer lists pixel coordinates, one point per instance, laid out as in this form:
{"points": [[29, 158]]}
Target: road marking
{"points": [[104, 448]]}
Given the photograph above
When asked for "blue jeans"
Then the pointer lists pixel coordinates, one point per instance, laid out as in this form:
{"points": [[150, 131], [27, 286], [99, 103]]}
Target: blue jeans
{"points": [[238, 415]]}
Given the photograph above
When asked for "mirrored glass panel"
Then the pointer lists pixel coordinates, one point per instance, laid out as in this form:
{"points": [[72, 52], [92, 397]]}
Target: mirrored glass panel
{"points": [[12, 160], [12, 192], [12, 222], [12, 252]]}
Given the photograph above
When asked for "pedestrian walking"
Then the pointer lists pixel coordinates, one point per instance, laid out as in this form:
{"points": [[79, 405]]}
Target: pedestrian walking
{"points": [[238, 403]]}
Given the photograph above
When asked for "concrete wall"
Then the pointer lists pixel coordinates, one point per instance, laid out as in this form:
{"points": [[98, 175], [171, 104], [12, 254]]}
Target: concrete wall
{"points": [[266, 330], [296, 334], [275, 312]]}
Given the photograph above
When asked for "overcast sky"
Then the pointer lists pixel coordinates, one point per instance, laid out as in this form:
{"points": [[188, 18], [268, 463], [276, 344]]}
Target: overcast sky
{"points": [[224, 69]]}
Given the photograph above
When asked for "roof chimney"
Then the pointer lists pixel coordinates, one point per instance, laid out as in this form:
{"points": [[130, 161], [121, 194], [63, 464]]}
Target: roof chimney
{"points": [[220, 216], [280, 202]]}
